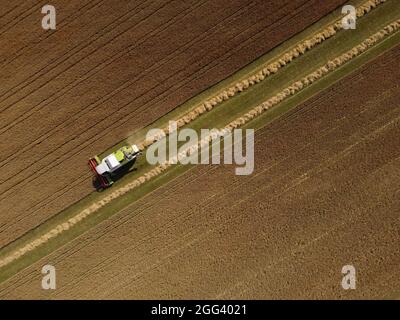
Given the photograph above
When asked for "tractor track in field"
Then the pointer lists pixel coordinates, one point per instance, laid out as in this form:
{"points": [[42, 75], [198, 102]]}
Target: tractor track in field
{"points": [[89, 264], [88, 141], [110, 95], [80, 181], [61, 24], [86, 56], [2, 15], [36, 141], [125, 219], [21, 16], [289, 91], [268, 167], [65, 57], [117, 90], [86, 110], [265, 71], [67, 186], [79, 114]]}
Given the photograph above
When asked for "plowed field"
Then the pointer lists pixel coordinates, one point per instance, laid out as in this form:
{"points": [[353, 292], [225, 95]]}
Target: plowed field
{"points": [[324, 194], [110, 68]]}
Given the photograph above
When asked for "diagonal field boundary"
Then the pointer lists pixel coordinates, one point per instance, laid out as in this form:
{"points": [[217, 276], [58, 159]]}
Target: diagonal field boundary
{"points": [[289, 91], [266, 70]]}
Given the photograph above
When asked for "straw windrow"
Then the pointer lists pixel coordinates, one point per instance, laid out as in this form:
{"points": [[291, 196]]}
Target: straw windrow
{"points": [[256, 111]]}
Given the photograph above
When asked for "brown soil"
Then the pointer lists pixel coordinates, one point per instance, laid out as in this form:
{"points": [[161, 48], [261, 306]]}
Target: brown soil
{"points": [[324, 194], [69, 94]]}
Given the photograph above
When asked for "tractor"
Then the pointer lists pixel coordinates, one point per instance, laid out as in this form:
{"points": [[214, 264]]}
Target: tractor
{"points": [[114, 166]]}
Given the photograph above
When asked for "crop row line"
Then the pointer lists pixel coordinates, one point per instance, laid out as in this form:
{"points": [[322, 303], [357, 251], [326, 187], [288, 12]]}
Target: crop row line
{"points": [[264, 71], [71, 53], [284, 94], [58, 161]]}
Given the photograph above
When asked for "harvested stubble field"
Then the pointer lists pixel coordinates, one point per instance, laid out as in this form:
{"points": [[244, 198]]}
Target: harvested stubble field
{"points": [[69, 94], [325, 193]]}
